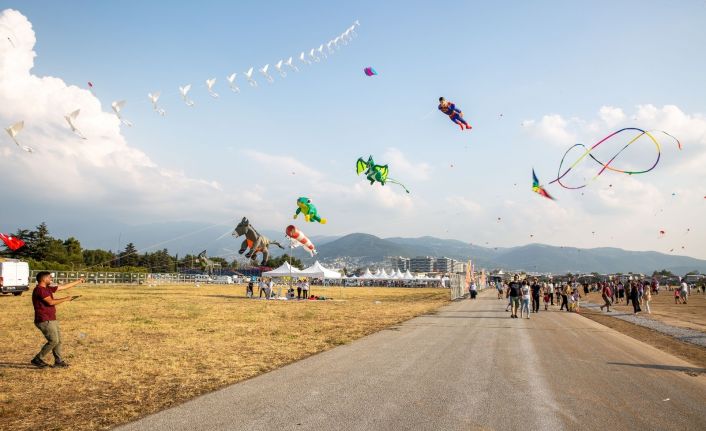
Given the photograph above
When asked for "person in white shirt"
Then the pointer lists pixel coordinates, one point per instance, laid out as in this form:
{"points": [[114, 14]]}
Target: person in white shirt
{"points": [[305, 289], [261, 286], [551, 293], [684, 292]]}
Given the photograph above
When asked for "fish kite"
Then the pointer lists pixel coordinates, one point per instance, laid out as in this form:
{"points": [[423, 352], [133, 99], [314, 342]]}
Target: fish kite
{"points": [[369, 71], [184, 91], [298, 239], [231, 82], [71, 118], [537, 188], [154, 98], [305, 206], [251, 81], [455, 114], [15, 130], [117, 107], [266, 74], [209, 84], [12, 242], [375, 173]]}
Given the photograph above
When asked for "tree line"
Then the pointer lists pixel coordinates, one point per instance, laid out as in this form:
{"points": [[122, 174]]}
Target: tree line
{"points": [[43, 251]]}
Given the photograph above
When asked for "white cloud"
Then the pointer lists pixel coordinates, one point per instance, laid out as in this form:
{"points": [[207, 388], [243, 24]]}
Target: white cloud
{"points": [[403, 169], [611, 116], [463, 204], [102, 170], [552, 128]]}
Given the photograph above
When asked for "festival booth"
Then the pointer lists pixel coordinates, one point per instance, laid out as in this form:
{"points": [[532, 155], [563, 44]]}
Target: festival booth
{"points": [[319, 271], [285, 270]]}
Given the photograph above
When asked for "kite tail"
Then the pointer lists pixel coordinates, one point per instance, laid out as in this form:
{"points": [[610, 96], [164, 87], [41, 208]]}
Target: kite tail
{"points": [[390, 180]]}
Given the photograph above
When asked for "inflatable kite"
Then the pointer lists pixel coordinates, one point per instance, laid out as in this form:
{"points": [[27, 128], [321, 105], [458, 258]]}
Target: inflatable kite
{"points": [[305, 206], [369, 71], [455, 114], [118, 106], [375, 173], [537, 188], [254, 241], [298, 239]]}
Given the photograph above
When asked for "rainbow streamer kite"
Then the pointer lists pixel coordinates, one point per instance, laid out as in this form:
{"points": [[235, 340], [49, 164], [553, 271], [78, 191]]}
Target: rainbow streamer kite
{"points": [[537, 188], [605, 166]]}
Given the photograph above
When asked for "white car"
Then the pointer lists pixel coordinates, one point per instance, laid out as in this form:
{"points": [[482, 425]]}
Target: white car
{"points": [[223, 279]]}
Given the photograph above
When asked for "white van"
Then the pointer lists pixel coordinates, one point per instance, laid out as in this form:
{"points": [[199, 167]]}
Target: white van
{"points": [[14, 276], [223, 279]]}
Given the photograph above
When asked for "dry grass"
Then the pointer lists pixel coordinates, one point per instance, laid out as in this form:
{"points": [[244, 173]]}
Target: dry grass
{"points": [[691, 315], [136, 350]]}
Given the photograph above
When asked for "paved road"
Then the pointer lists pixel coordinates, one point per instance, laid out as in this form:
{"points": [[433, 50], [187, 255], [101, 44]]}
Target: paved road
{"points": [[467, 367]]}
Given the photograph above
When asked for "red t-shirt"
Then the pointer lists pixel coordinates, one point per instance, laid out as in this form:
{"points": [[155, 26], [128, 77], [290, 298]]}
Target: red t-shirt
{"points": [[43, 312]]}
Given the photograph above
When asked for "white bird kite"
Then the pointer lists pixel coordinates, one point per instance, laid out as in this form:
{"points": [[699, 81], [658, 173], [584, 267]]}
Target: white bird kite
{"points": [[330, 46], [210, 83], [15, 130], [278, 66], [264, 73], [336, 41], [248, 76], [184, 91], [117, 107], [321, 51], [291, 65], [154, 98], [313, 56], [71, 118], [231, 82], [303, 58]]}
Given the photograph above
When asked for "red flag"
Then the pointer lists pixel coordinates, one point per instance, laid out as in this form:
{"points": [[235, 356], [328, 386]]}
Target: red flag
{"points": [[13, 243]]}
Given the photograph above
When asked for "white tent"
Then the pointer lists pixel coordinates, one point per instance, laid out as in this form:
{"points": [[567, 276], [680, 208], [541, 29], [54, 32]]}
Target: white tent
{"points": [[378, 273], [283, 271], [319, 271], [408, 275], [384, 275], [368, 275]]}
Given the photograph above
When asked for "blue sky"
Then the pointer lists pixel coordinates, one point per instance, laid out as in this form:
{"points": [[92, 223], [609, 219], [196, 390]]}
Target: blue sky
{"points": [[524, 60]]}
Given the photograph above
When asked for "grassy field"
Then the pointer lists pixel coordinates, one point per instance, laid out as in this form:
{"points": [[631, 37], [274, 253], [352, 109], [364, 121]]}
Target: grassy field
{"points": [[136, 350]]}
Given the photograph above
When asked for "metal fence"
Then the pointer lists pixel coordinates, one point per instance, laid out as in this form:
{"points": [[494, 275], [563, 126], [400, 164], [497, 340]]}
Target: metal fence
{"points": [[103, 277]]}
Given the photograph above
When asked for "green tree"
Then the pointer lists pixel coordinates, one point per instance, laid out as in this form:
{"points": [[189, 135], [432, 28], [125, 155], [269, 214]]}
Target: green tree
{"points": [[129, 257], [278, 261]]}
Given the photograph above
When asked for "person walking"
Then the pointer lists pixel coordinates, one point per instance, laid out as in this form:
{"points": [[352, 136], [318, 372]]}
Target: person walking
{"points": [[499, 288], [525, 290], [565, 292], [647, 297], [621, 292], [513, 293], [473, 290], [634, 293], [684, 292], [44, 305], [551, 292], [606, 294], [536, 289]]}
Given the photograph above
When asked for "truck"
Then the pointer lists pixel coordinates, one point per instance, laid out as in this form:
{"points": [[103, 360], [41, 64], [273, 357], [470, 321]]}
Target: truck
{"points": [[14, 276]]}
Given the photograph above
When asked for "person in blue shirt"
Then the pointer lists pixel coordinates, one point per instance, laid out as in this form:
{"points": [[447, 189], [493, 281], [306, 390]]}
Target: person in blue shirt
{"points": [[455, 114]]}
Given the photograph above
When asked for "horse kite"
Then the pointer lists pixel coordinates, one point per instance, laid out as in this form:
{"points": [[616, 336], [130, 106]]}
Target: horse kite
{"points": [[254, 241]]}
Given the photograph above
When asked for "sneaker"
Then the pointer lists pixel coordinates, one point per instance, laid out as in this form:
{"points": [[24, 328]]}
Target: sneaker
{"points": [[61, 364], [39, 363]]}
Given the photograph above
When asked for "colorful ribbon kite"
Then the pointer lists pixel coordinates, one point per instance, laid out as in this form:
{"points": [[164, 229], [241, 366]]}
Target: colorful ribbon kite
{"points": [[537, 188]]}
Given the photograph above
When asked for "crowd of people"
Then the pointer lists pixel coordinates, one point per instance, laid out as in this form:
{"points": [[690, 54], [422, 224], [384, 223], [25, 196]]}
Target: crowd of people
{"points": [[266, 288], [527, 295]]}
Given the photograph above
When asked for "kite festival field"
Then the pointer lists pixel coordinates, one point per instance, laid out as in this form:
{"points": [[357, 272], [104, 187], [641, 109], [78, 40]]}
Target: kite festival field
{"points": [[135, 350]]}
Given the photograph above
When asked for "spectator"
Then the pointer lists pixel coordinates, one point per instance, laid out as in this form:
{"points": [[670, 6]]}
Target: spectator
{"points": [[536, 289], [634, 298], [513, 293], [646, 298], [525, 290], [606, 294], [305, 290], [684, 292], [473, 290]]}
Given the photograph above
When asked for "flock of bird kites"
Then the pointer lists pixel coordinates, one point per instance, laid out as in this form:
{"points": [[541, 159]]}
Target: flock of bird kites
{"points": [[373, 172]]}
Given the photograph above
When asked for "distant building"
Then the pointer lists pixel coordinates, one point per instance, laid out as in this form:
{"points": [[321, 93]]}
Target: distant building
{"points": [[400, 263], [459, 267], [444, 265], [422, 264]]}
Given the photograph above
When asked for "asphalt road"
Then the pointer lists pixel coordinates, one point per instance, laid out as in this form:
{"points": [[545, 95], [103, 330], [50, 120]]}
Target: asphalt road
{"points": [[467, 367]]}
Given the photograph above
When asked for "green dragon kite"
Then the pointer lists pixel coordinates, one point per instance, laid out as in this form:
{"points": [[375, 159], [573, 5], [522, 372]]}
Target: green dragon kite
{"points": [[375, 172]]}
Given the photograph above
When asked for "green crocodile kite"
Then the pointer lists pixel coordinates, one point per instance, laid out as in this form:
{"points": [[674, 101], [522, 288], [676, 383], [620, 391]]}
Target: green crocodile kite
{"points": [[375, 172], [310, 214]]}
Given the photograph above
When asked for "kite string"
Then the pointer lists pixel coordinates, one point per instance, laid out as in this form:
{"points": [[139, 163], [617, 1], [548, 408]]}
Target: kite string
{"points": [[143, 249]]}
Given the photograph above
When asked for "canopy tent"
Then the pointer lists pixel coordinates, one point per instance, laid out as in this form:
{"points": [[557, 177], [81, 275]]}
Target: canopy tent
{"points": [[285, 270], [319, 271], [383, 275], [408, 275], [367, 275]]}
